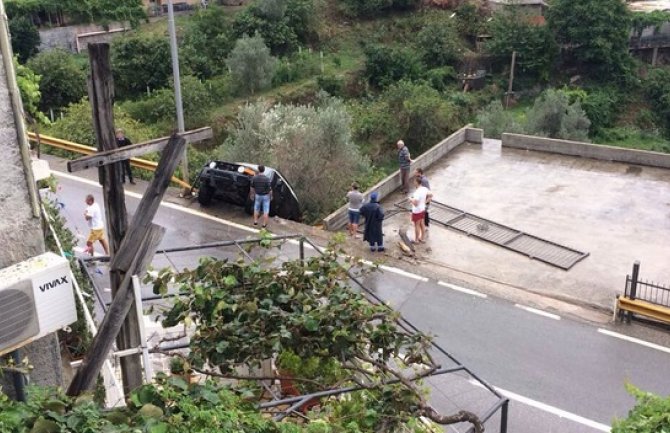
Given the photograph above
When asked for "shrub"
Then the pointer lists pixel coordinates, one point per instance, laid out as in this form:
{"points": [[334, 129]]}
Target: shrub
{"points": [[208, 39], [440, 78], [657, 90], [295, 67], [310, 145], [602, 107], [553, 116], [372, 8], [495, 120], [63, 81], [385, 65], [251, 65], [331, 84], [649, 415], [25, 38], [140, 62], [439, 44]]}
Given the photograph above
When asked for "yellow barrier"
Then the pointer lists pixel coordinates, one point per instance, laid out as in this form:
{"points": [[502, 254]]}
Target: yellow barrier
{"points": [[644, 308], [89, 150]]}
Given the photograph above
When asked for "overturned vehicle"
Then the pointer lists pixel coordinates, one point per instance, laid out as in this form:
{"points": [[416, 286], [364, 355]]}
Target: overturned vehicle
{"points": [[231, 183]]}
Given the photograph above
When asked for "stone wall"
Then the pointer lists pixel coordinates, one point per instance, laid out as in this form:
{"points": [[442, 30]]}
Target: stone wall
{"points": [[75, 38], [587, 150], [21, 233], [338, 219]]}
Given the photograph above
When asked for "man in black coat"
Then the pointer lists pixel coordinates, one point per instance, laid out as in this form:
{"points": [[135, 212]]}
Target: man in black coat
{"points": [[122, 141], [374, 217]]}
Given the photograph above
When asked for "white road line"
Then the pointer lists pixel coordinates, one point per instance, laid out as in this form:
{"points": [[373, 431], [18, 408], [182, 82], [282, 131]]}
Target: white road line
{"points": [[634, 340], [549, 409], [538, 312], [462, 289], [399, 272]]}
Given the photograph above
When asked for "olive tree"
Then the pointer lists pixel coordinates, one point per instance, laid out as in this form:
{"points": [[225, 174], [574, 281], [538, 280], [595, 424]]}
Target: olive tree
{"points": [[251, 64], [310, 145], [554, 116]]}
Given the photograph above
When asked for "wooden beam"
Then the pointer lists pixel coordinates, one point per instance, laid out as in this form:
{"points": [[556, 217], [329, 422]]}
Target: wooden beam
{"points": [[120, 154], [149, 204], [103, 341]]}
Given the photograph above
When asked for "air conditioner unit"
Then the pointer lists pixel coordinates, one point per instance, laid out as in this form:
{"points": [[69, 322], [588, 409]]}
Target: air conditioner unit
{"points": [[36, 299]]}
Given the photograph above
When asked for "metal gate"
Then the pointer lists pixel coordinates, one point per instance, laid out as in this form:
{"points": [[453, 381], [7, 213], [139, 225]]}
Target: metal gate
{"points": [[472, 225]]}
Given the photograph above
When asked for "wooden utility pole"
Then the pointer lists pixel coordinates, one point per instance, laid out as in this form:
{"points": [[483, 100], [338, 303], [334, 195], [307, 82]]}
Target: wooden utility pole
{"points": [[101, 95], [511, 80]]}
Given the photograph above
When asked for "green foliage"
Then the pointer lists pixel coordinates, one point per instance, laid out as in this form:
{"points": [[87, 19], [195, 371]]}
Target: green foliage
{"points": [[469, 19], [495, 120], [597, 33], [77, 125], [159, 107], [651, 414], [657, 89], [310, 145], [296, 67], [412, 111], [251, 64], [440, 78], [642, 20], [77, 11], [25, 38], [331, 84], [554, 116], [602, 107], [139, 62], [29, 87], [385, 65], [439, 44], [207, 41], [373, 8], [282, 23], [535, 46], [63, 81]]}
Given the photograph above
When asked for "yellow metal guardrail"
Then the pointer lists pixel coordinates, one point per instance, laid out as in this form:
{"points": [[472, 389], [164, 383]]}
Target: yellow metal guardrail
{"points": [[644, 308], [89, 150]]}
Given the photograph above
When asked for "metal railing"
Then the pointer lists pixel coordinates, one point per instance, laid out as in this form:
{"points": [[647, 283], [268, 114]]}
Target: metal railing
{"points": [[90, 150], [643, 297]]}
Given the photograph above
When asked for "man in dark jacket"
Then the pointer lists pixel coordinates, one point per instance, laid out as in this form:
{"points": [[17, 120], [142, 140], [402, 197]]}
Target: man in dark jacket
{"points": [[374, 217], [122, 141]]}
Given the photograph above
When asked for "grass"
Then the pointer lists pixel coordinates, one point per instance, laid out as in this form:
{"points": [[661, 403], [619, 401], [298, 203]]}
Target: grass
{"points": [[633, 138]]}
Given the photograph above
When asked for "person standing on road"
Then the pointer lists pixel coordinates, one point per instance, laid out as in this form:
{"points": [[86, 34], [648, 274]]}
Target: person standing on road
{"points": [[374, 217], [261, 194], [96, 224], [123, 141], [418, 200], [355, 199], [404, 161], [424, 182]]}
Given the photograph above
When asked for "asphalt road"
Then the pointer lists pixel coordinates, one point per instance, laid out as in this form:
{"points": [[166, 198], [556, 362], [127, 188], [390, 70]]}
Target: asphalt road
{"points": [[560, 375]]}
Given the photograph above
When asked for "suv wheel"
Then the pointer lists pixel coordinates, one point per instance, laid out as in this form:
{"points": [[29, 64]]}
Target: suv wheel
{"points": [[205, 194]]}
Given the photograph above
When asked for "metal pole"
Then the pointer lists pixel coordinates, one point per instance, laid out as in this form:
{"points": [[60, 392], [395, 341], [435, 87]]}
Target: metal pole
{"points": [[148, 371], [503, 417], [301, 242], [511, 79], [177, 90], [19, 383], [633, 286]]}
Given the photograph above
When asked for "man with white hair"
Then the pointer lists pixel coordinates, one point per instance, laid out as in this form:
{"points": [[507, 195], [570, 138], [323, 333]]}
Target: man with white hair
{"points": [[404, 161]]}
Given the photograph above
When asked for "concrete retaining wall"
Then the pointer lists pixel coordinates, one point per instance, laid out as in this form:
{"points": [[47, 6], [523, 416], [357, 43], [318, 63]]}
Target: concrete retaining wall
{"points": [[75, 38], [587, 150], [338, 219]]}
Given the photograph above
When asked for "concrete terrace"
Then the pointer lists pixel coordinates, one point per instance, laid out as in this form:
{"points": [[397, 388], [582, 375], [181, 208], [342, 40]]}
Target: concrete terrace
{"points": [[617, 212]]}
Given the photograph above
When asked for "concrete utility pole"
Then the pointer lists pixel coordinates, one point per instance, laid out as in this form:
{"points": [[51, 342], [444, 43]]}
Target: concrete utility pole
{"points": [[177, 89], [20, 223]]}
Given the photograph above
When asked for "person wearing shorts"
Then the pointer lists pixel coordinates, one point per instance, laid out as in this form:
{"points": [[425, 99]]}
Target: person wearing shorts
{"points": [[355, 199], [418, 200], [261, 193], [96, 224]]}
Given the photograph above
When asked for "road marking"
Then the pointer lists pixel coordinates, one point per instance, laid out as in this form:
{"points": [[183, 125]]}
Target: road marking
{"points": [[462, 289], [398, 271], [539, 312], [549, 409], [634, 340]]}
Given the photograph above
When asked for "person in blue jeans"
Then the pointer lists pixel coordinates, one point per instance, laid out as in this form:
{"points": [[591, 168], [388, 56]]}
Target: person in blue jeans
{"points": [[261, 193], [355, 199]]}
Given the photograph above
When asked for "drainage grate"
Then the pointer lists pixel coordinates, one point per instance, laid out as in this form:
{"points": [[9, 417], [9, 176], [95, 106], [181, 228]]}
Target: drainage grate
{"points": [[532, 246]]}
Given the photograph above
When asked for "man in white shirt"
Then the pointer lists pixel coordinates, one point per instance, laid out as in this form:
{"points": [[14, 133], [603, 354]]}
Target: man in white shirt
{"points": [[421, 196], [93, 216]]}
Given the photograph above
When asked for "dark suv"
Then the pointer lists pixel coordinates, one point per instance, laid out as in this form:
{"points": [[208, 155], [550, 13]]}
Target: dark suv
{"points": [[231, 183]]}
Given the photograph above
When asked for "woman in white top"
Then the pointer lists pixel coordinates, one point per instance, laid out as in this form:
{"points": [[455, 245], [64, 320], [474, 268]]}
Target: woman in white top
{"points": [[421, 196]]}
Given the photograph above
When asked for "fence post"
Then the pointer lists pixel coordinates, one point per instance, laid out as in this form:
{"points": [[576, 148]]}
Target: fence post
{"points": [[302, 250], [503, 417], [633, 286]]}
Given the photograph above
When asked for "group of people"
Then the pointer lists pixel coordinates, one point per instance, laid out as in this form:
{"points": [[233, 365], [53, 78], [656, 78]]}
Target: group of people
{"points": [[374, 213]]}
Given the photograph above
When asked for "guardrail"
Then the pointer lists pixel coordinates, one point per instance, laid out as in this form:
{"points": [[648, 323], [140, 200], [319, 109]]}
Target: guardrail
{"points": [[644, 298], [89, 150]]}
